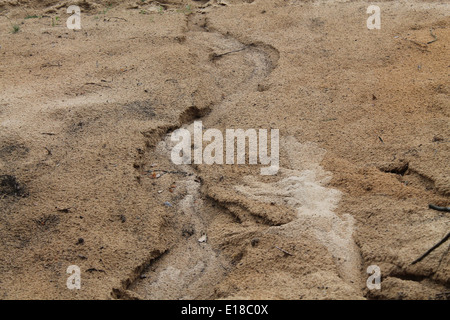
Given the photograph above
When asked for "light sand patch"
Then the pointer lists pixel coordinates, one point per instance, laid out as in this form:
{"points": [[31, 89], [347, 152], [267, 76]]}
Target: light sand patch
{"points": [[304, 188]]}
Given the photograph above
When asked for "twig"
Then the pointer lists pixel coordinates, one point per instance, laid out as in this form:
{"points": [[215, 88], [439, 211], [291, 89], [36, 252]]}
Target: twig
{"points": [[424, 45], [49, 133], [432, 249], [433, 35], [432, 206], [284, 251], [215, 55]]}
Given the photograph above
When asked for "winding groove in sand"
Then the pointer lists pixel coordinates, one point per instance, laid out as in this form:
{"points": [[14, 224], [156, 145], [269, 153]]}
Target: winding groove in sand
{"points": [[303, 187], [182, 278]]}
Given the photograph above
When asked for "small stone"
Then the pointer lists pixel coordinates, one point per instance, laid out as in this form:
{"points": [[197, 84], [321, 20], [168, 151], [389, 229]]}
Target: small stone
{"points": [[203, 239]]}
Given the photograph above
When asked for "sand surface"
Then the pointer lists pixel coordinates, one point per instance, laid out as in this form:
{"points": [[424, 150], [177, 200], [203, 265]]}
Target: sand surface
{"points": [[86, 176]]}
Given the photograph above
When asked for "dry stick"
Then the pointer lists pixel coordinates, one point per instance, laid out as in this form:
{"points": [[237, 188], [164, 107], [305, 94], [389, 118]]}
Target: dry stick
{"points": [[424, 45], [432, 249], [432, 206], [284, 251], [433, 35], [215, 55]]}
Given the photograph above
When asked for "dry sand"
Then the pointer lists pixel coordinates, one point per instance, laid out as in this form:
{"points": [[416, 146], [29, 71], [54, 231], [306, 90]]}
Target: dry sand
{"points": [[364, 125]]}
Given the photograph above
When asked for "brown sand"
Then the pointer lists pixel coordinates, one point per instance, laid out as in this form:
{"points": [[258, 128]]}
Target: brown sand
{"points": [[364, 124]]}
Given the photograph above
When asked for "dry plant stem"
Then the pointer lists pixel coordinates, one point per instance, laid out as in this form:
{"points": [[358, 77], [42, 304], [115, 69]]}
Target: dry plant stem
{"points": [[284, 251], [432, 249], [432, 206]]}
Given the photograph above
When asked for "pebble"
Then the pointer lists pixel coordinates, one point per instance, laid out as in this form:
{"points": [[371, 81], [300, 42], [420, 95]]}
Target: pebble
{"points": [[203, 239]]}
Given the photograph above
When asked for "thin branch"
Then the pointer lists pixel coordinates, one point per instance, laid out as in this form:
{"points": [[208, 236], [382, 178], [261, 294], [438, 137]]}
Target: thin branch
{"points": [[215, 55], [432, 206], [432, 249], [433, 35], [284, 251]]}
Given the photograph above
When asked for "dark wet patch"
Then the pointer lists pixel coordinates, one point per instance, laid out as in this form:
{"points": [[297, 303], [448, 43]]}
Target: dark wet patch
{"points": [[13, 151], [11, 187]]}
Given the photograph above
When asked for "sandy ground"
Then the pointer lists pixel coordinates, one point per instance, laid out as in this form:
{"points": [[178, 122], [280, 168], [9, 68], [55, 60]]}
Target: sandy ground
{"points": [[85, 123]]}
